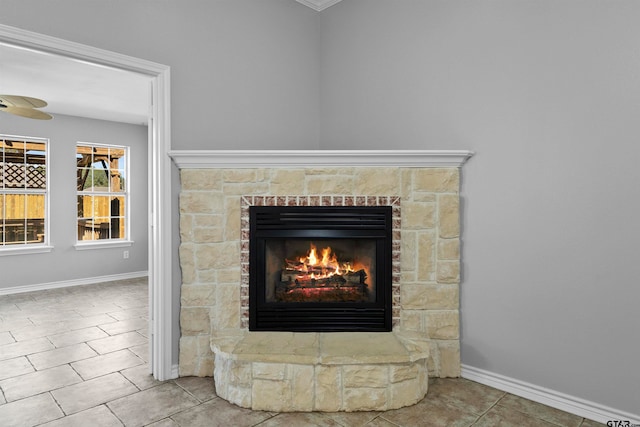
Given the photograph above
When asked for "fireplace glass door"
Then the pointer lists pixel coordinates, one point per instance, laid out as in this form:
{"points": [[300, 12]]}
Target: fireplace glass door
{"points": [[320, 268], [327, 270]]}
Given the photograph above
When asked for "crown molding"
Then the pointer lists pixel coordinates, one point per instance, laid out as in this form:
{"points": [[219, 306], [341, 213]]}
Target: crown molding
{"points": [[318, 5], [225, 159]]}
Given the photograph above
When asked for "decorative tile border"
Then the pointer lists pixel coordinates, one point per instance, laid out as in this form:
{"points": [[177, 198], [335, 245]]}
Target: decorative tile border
{"points": [[247, 201]]}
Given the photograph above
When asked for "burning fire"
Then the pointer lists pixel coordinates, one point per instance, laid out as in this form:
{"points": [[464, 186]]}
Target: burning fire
{"points": [[319, 267], [319, 276]]}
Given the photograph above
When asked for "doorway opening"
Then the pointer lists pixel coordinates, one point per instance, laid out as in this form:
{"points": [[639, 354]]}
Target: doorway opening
{"points": [[159, 179]]}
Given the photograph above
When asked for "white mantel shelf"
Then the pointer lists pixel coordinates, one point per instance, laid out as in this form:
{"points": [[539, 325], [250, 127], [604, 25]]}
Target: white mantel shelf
{"points": [[235, 159]]}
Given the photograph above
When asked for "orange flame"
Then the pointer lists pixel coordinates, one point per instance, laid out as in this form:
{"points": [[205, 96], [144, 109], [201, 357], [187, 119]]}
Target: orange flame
{"points": [[327, 263]]}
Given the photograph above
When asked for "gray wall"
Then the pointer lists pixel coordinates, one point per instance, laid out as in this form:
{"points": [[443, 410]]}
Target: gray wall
{"points": [[64, 262], [244, 73], [547, 93]]}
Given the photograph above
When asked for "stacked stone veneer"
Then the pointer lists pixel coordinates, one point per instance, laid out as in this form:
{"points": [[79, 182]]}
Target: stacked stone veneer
{"points": [[340, 371], [210, 251]]}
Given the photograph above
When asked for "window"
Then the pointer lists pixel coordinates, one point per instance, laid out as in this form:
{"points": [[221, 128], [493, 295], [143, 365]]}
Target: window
{"points": [[23, 192], [103, 196]]}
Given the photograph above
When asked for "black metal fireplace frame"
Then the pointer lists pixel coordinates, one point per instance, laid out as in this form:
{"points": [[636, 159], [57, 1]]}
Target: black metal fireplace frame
{"points": [[320, 222]]}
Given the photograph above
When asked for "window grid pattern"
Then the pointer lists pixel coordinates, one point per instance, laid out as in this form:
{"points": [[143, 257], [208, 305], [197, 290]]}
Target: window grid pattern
{"points": [[23, 191], [102, 195]]}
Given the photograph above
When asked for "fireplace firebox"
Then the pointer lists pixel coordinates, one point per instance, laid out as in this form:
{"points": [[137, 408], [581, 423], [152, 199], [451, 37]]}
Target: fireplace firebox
{"points": [[320, 268]]}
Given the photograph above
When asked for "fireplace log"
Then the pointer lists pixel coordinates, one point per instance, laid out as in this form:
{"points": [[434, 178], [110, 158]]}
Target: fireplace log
{"points": [[356, 277], [333, 282], [291, 274], [352, 278], [293, 264]]}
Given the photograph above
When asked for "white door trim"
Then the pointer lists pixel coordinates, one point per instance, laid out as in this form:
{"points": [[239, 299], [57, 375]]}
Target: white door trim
{"points": [[161, 314]]}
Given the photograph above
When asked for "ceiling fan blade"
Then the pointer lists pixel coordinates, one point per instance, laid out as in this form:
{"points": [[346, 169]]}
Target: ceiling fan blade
{"points": [[27, 112], [22, 101]]}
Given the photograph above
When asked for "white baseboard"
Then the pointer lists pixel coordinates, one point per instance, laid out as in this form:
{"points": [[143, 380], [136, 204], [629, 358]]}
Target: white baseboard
{"points": [[73, 282], [175, 371], [564, 402]]}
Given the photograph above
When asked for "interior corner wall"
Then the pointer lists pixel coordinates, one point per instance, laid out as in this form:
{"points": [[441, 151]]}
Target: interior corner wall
{"points": [[547, 94], [244, 73], [64, 262]]}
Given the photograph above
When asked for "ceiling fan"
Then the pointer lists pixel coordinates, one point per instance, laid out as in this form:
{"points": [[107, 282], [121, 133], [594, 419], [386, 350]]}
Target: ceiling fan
{"points": [[24, 106]]}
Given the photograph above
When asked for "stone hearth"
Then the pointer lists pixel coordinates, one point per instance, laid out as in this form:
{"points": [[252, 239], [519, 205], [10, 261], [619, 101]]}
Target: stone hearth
{"points": [[319, 371], [339, 371]]}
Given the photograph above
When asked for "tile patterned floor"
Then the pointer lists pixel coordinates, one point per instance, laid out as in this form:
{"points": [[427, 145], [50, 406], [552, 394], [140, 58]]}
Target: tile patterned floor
{"points": [[78, 356]]}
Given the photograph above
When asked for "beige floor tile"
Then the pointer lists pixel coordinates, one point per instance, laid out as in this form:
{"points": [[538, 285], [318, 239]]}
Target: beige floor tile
{"points": [[129, 303], [429, 412], [87, 394], [38, 312], [16, 388], [117, 342], [100, 416], [468, 395], [77, 336], [15, 367], [202, 389], [167, 422], [52, 316], [104, 308], [591, 423], [127, 325], [318, 419], [41, 302], [378, 422], [219, 412], [31, 411], [85, 322], [16, 298], [354, 419], [106, 364], [140, 376], [142, 351], [23, 348], [8, 324], [6, 338], [61, 356], [499, 416], [132, 313], [50, 294], [6, 305], [152, 405], [10, 314], [62, 304], [114, 377], [31, 332], [541, 411]]}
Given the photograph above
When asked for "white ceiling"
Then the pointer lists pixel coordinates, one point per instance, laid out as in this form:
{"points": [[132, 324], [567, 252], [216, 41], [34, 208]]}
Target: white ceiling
{"points": [[74, 87]]}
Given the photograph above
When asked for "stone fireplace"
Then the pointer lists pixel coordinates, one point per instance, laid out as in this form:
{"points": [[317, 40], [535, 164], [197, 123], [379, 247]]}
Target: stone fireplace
{"points": [[320, 370]]}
